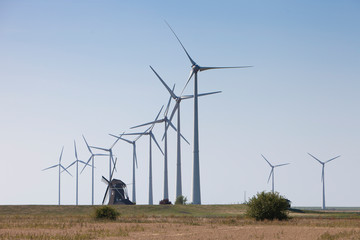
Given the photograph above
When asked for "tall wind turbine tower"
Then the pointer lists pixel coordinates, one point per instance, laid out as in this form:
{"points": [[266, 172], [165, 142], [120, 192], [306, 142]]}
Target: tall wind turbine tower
{"points": [[323, 177], [272, 171], [196, 196], [77, 172], [60, 167], [178, 100]]}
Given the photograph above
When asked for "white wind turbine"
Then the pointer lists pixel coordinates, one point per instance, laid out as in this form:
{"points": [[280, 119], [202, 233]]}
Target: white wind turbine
{"points": [[77, 172], [272, 171], [111, 157], [60, 167], [151, 137], [133, 143], [323, 176], [178, 100], [167, 123], [196, 196], [92, 158]]}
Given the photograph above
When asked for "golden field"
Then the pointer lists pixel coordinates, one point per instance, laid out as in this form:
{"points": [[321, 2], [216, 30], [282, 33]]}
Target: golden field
{"points": [[172, 222]]}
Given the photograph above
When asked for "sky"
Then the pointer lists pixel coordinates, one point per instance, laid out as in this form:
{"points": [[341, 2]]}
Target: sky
{"points": [[71, 68]]}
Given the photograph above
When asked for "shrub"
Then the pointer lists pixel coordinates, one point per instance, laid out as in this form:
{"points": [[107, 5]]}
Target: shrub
{"points": [[181, 200], [106, 212], [268, 206], [164, 201]]}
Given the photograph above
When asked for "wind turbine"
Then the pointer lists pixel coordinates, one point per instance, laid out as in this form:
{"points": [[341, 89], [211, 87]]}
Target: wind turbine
{"points": [[77, 172], [151, 137], [92, 158], [111, 156], [134, 162], [323, 176], [178, 100], [272, 171], [196, 196], [167, 122], [60, 167]]}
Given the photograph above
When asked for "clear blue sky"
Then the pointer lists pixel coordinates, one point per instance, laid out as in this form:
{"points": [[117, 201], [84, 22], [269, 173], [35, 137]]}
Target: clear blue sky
{"points": [[70, 68]]}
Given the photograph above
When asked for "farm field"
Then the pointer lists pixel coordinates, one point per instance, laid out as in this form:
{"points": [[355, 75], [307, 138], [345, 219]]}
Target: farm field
{"points": [[173, 222]]}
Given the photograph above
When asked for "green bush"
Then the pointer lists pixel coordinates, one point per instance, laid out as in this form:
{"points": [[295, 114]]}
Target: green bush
{"points": [[268, 206], [106, 212], [180, 200]]}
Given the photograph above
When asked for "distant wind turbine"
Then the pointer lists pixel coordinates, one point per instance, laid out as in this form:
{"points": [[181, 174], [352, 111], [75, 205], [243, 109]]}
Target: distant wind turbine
{"points": [[196, 196], [178, 100], [92, 158], [151, 137], [323, 176], [111, 157], [133, 143], [272, 171], [60, 167], [77, 172]]}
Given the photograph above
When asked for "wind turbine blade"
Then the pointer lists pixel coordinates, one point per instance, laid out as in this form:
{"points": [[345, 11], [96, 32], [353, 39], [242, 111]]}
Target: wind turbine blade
{"points": [[322, 174], [138, 138], [332, 159], [62, 150], [128, 134], [157, 144], [126, 140], [152, 126], [112, 173], [173, 127], [281, 165], [100, 154], [210, 93], [316, 159], [65, 170], [168, 105], [192, 61], [87, 145], [70, 165], [87, 163], [99, 148], [50, 167], [76, 156], [174, 110], [271, 172], [115, 142], [166, 86], [267, 161], [148, 123], [191, 74], [84, 163], [209, 68]]}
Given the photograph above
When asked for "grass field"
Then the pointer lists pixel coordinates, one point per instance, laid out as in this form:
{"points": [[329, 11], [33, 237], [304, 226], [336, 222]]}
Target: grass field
{"points": [[173, 222]]}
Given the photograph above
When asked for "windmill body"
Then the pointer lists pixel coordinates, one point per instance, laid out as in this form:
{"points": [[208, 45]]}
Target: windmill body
{"points": [[196, 196], [60, 166], [323, 177], [272, 173]]}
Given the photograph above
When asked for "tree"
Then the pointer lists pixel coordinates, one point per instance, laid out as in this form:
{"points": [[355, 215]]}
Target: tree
{"points": [[268, 206], [180, 200]]}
